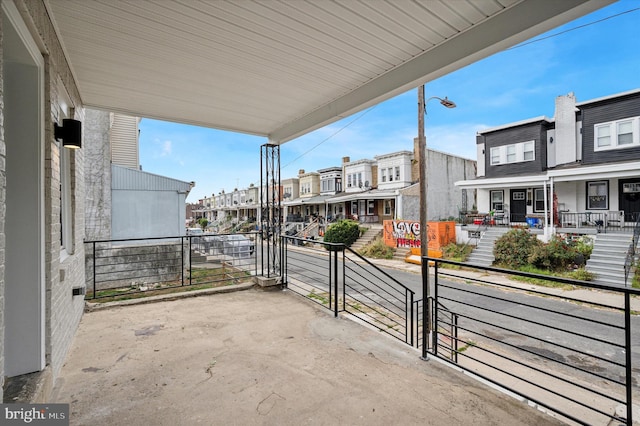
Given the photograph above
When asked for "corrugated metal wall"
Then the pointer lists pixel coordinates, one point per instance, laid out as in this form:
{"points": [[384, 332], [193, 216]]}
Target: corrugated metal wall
{"points": [[123, 178]]}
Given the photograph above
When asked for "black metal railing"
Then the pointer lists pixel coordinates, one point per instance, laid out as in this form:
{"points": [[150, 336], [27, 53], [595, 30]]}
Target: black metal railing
{"points": [[631, 252], [126, 268], [559, 350], [313, 272], [341, 280], [375, 297]]}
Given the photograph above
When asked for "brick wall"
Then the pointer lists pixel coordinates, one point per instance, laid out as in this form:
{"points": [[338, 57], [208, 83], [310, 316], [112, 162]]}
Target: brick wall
{"points": [[63, 311]]}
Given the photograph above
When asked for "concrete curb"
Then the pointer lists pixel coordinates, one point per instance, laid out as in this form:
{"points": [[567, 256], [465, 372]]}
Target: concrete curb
{"points": [[93, 306]]}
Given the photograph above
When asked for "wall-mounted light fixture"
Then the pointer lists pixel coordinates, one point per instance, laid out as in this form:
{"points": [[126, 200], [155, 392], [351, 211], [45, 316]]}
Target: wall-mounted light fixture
{"points": [[70, 133]]}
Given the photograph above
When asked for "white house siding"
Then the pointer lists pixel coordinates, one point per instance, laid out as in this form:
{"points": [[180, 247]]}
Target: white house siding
{"points": [[124, 141], [62, 311]]}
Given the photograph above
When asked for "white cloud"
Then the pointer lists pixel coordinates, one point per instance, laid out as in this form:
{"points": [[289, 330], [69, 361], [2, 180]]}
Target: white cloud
{"points": [[166, 149]]}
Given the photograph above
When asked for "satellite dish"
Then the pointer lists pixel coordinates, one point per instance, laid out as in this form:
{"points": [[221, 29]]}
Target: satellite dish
{"points": [[360, 184], [366, 183]]}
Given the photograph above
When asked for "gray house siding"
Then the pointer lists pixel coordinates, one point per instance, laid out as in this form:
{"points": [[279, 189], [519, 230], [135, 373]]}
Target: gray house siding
{"points": [[146, 205], [535, 132], [603, 112]]}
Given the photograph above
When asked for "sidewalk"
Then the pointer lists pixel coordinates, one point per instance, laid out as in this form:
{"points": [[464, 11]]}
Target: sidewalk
{"points": [[262, 358], [586, 295]]}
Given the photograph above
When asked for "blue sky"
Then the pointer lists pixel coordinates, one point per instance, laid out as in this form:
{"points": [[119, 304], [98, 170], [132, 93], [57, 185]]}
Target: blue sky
{"points": [[598, 59]]}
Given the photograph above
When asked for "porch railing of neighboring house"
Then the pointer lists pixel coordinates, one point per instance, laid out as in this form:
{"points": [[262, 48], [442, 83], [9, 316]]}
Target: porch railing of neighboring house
{"points": [[127, 268], [631, 252], [560, 351]]}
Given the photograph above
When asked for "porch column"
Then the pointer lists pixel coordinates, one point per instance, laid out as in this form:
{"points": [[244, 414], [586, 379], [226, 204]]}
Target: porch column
{"points": [[546, 211]]}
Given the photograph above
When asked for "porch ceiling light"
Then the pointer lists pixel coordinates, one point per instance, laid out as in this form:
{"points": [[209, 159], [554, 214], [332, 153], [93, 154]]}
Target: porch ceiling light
{"points": [[70, 133]]}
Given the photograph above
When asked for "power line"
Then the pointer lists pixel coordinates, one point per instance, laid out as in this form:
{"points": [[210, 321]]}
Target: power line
{"points": [[514, 47], [330, 136], [573, 29]]}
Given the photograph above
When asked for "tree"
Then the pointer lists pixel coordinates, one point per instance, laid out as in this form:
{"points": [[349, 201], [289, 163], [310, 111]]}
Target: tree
{"points": [[203, 222], [343, 231]]}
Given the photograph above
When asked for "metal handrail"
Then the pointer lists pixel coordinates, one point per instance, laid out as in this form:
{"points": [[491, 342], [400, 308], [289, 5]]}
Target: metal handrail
{"points": [[497, 319], [131, 266], [631, 251], [354, 285]]}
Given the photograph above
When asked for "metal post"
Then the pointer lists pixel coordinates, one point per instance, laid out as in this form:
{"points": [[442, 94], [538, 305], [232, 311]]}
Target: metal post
{"points": [[182, 261], [94, 269], [627, 350], [434, 332], [335, 280], [190, 263]]}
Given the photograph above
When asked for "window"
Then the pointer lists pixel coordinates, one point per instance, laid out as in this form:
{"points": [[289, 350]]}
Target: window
{"points": [[348, 181], [495, 155], [360, 179], [390, 170], [513, 153], [354, 208], [67, 159], [617, 134], [625, 133], [384, 175], [66, 211], [497, 201], [518, 196], [388, 207], [538, 200], [598, 195], [371, 207], [528, 151], [397, 172], [603, 136]]}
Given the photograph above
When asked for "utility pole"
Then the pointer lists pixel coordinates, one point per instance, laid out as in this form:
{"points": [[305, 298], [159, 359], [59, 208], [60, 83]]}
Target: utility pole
{"points": [[422, 158]]}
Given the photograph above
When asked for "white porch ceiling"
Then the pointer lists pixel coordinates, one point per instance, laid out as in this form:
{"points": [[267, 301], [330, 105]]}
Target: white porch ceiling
{"points": [[280, 68]]}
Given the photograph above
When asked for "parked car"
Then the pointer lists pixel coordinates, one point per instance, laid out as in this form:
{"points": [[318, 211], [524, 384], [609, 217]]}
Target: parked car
{"points": [[198, 240], [232, 245]]}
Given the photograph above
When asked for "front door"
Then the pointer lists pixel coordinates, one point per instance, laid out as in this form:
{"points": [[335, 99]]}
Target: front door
{"points": [[518, 206], [629, 198]]}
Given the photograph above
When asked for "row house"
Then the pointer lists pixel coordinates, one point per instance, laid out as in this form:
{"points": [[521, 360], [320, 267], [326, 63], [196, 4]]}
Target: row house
{"points": [[366, 190], [579, 171]]}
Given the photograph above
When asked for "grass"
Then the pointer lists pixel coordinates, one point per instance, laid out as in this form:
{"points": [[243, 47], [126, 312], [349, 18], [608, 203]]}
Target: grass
{"points": [[320, 297], [377, 249], [201, 278], [579, 274]]}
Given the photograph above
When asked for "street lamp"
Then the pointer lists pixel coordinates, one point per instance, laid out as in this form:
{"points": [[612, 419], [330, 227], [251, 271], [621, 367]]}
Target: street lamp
{"points": [[422, 161]]}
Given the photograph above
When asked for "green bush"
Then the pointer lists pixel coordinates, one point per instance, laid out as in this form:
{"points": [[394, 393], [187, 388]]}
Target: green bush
{"points": [[377, 249], [556, 254], [344, 231], [514, 248]]}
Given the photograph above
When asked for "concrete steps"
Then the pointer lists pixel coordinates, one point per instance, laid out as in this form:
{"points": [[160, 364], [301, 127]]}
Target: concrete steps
{"points": [[608, 258], [401, 253], [483, 253], [373, 231]]}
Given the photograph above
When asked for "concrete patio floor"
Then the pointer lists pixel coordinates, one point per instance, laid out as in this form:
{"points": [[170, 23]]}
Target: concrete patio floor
{"points": [[262, 358]]}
